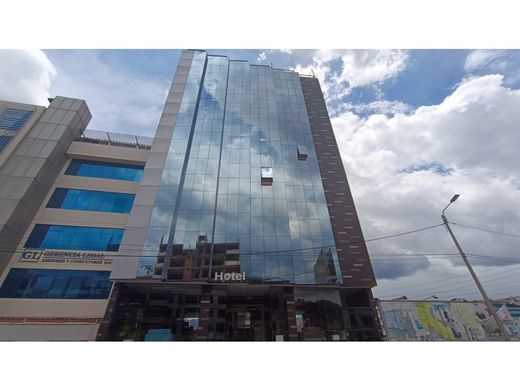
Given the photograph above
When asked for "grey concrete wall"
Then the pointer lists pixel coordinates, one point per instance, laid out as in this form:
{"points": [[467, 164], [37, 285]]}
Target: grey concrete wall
{"points": [[33, 164]]}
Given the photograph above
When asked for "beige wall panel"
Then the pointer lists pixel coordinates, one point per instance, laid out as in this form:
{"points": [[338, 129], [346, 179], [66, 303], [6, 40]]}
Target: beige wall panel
{"points": [[90, 183], [84, 308], [54, 332], [81, 218], [99, 152]]}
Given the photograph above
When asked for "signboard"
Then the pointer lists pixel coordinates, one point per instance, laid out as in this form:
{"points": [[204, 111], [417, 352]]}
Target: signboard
{"points": [[64, 257], [229, 277]]}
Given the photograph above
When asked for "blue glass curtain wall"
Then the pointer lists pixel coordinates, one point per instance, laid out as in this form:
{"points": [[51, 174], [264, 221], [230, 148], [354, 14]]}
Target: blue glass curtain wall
{"points": [[13, 119], [242, 119], [174, 173], [56, 284], [73, 199], [4, 141], [75, 237], [104, 170]]}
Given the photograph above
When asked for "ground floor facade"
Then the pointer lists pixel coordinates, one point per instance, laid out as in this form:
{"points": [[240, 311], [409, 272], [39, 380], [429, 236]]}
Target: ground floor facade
{"points": [[241, 311]]}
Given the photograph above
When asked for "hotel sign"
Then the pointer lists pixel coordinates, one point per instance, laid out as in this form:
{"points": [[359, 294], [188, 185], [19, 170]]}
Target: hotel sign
{"points": [[63, 257], [229, 277]]}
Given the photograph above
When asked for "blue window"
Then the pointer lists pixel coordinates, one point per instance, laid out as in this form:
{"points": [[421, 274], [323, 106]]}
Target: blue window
{"points": [[110, 202], [105, 170], [56, 284], [13, 119], [4, 141], [75, 237]]}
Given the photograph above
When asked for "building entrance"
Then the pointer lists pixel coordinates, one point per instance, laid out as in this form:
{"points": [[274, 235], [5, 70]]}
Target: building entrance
{"points": [[256, 313], [237, 312], [248, 323]]}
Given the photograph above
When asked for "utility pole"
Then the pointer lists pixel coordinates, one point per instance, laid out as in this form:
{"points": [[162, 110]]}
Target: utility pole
{"points": [[490, 307]]}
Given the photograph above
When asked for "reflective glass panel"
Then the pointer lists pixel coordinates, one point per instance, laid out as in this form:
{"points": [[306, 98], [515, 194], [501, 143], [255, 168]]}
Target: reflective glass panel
{"points": [[56, 284], [73, 199], [104, 170], [75, 237], [13, 119]]}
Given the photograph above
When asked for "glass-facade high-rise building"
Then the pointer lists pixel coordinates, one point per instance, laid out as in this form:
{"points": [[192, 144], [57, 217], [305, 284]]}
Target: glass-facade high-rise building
{"points": [[243, 226]]}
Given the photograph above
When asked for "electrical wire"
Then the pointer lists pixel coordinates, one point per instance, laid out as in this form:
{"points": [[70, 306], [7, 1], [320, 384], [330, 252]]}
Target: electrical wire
{"points": [[402, 234], [457, 287], [465, 276], [485, 230], [469, 284], [288, 250]]}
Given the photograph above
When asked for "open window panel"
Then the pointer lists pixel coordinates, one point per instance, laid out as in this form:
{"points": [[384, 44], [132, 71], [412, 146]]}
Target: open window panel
{"points": [[267, 176], [302, 152]]}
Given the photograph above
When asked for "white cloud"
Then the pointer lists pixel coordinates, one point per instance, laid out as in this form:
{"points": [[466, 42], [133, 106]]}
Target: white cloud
{"points": [[357, 68], [25, 76], [475, 132], [333, 88], [385, 107], [365, 67], [480, 58], [261, 57], [120, 101], [504, 62]]}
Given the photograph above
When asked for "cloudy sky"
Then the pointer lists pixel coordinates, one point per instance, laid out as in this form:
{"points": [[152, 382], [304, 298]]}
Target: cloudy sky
{"points": [[414, 127]]}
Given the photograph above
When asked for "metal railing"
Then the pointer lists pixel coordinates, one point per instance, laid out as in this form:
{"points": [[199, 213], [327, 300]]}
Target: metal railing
{"points": [[116, 139]]}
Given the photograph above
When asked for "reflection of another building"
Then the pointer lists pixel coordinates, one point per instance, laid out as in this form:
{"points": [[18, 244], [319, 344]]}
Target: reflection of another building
{"points": [[324, 270], [202, 262]]}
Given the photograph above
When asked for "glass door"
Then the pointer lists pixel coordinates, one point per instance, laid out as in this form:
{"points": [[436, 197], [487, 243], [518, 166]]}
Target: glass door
{"points": [[248, 323]]}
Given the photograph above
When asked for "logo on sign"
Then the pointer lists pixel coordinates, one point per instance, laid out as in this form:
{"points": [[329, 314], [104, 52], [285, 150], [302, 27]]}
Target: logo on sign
{"points": [[30, 256]]}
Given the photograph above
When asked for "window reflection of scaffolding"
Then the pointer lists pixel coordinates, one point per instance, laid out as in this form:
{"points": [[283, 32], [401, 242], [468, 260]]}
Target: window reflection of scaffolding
{"points": [[192, 264]]}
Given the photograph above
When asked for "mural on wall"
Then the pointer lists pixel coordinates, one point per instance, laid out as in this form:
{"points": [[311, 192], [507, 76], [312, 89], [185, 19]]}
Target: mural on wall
{"points": [[446, 321]]}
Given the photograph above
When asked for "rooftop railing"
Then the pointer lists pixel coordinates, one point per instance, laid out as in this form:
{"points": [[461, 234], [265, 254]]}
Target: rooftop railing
{"points": [[116, 139]]}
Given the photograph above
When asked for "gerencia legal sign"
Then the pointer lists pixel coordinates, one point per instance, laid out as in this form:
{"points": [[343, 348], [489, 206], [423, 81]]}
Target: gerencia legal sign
{"points": [[63, 257]]}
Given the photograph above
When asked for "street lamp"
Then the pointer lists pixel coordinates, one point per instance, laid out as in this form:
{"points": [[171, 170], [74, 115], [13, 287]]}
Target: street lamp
{"points": [[475, 278], [453, 199]]}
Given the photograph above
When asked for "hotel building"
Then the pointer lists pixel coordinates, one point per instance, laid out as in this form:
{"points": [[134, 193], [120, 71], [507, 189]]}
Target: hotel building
{"points": [[236, 222]]}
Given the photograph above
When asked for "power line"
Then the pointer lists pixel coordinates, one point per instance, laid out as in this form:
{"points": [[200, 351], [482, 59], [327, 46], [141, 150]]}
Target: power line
{"points": [[491, 257], [485, 230], [469, 284], [128, 253], [464, 284], [466, 276], [402, 234], [414, 254], [451, 290], [292, 250], [352, 242]]}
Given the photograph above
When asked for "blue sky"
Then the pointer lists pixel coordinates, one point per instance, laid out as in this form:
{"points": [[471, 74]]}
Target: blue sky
{"points": [[428, 77], [413, 127]]}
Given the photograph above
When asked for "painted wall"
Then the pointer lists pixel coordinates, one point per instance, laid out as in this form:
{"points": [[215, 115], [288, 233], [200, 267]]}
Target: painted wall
{"points": [[446, 321]]}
